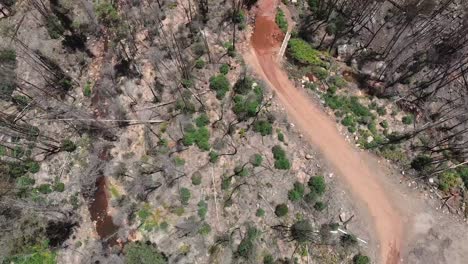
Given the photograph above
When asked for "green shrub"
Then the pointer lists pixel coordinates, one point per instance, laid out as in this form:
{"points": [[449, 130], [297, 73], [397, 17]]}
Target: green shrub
{"points": [[238, 17], [214, 156], [54, 27], [278, 152], [202, 120], [333, 101], [246, 106], [204, 229], [198, 136], [281, 20], [256, 160], [87, 89], [303, 52], [381, 111], [260, 212], [337, 81], [224, 69], [44, 188], [311, 197], [59, 187], [282, 164], [24, 182], [32, 166], [421, 162], [199, 48], [37, 254], [243, 85], [463, 172], [202, 209], [297, 193], [361, 259], [247, 244], [281, 210], [268, 259], [196, 178], [348, 121], [107, 13], [220, 84], [331, 89], [263, 127], [384, 124], [200, 64], [317, 184], [185, 195], [178, 161], [187, 83], [20, 100], [408, 120], [143, 253], [348, 240], [280, 136], [448, 180], [320, 73], [68, 145], [320, 206], [7, 56]]}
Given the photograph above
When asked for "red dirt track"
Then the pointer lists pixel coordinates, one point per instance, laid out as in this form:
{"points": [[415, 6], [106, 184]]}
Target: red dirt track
{"points": [[353, 167]]}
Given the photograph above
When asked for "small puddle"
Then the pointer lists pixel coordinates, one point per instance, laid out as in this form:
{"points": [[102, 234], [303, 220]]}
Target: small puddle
{"points": [[105, 227]]}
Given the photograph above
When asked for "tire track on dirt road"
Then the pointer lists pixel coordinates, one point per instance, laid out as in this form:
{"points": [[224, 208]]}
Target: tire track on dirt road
{"points": [[321, 131]]}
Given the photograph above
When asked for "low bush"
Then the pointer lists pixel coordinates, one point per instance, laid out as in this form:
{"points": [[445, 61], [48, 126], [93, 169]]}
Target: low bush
{"points": [[263, 127], [281, 20], [320, 206], [224, 69], [317, 184], [198, 136], [281, 210], [320, 73], [260, 212], [297, 193], [408, 120], [184, 195], [247, 245], [256, 160], [421, 162], [196, 178], [281, 161], [361, 259], [449, 180], [202, 209], [68, 145], [202, 120], [214, 156], [143, 253], [200, 63], [303, 52], [220, 84]]}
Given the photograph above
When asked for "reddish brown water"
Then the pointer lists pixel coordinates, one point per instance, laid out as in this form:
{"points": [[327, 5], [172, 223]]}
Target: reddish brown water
{"points": [[105, 227], [359, 171]]}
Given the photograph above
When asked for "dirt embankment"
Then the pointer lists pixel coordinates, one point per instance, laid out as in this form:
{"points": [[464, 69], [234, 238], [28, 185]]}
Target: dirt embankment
{"points": [[321, 131]]}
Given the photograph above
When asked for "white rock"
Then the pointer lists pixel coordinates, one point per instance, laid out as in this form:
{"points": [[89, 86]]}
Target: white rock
{"points": [[370, 139], [308, 156], [330, 175], [343, 217], [431, 180]]}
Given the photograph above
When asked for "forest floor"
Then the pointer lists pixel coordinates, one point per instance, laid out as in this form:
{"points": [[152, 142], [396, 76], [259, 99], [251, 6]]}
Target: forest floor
{"points": [[408, 229]]}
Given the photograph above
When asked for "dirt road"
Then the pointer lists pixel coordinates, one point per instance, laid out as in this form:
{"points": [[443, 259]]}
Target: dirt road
{"points": [[366, 186]]}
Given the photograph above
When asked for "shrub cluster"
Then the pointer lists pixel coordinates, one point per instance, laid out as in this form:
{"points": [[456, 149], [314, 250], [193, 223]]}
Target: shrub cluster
{"points": [[281, 161], [303, 52], [281, 20]]}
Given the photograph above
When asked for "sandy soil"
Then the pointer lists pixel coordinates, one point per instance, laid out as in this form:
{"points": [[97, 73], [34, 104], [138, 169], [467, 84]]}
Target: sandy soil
{"points": [[321, 131]]}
